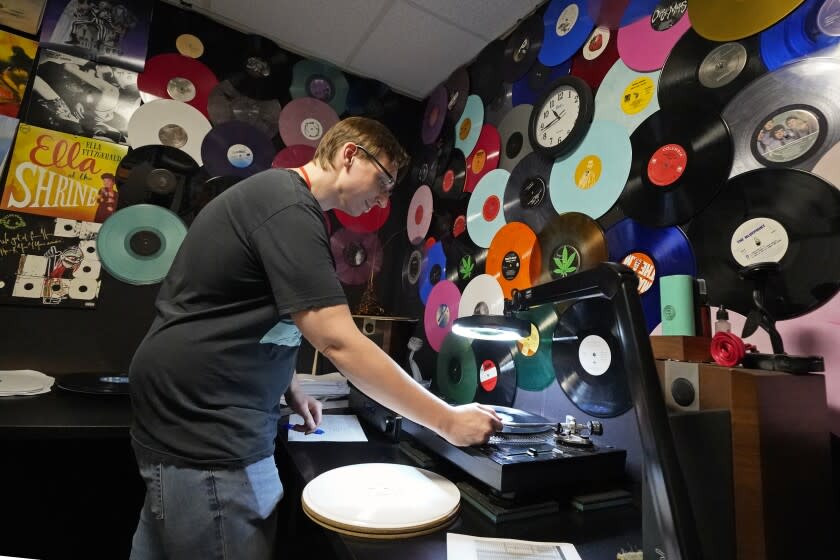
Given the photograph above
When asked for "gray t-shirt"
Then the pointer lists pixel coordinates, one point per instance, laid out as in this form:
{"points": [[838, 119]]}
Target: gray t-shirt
{"points": [[206, 380]]}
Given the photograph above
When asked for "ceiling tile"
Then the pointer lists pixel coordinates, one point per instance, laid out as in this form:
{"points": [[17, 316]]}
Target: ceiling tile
{"points": [[486, 18]]}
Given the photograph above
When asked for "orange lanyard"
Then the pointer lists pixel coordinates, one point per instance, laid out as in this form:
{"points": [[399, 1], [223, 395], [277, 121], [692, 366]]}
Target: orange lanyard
{"points": [[306, 178]]}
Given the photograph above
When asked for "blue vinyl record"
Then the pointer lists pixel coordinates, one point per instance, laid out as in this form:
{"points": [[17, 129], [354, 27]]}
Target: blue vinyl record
{"points": [[652, 253], [803, 32], [568, 24], [432, 270], [527, 89], [637, 9], [468, 127]]}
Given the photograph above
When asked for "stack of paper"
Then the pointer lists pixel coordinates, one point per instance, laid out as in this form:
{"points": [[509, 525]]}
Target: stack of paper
{"points": [[323, 387], [24, 382]]}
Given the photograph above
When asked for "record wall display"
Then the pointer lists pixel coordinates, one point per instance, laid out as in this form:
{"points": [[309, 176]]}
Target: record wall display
{"points": [[178, 77], [159, 175], [423, 168], [138, 244], [484, 157], [514, 257], [651, 253], [723, 20], [441, 311], [165, 122], [783, 216], [464, 260], [566, 26], [527, 194], [703, 72], [482, 296], [485, 215], [236, 149], [468, 127], [457, 90], [522, 48], [225, 104], [626, 97], [434, 115], [587, 359], [293, 156], [529, 87], [592, 177], [570, 243], [325, 82], [486, 72], [805, 31], [358, 256], [513, 136], [681, 160], [305, 121], [451, 182], [658, 31], [261, 69], [432, 269], [368, 222], [419, 216], [597, 56], [496, 372], [532, 355], [787, 118]]}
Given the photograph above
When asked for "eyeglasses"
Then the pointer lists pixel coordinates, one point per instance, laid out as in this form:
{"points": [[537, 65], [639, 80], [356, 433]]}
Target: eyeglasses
{"points": [[388, 184]]}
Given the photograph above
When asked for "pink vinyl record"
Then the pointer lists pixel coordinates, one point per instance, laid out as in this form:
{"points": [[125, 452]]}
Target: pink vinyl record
{"points": [[658, 32], [419, 214], [305, 120], [441, 311], [358, 256], [293, 156]]}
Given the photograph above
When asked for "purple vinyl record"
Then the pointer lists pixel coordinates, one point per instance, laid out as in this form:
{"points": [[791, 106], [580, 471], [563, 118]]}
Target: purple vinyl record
{"points": [[435, 115], [358, 256], [236, 148]]}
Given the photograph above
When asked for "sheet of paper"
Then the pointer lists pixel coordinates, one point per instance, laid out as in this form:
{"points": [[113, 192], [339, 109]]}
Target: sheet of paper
{"points": [[336, 427], [466, 547]]}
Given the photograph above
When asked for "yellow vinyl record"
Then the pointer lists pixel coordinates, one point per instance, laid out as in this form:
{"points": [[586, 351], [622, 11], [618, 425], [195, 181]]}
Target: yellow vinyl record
{"points": [[725, 20]]}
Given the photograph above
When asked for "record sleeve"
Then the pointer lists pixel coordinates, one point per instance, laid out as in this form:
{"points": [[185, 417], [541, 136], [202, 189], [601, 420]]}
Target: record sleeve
{"points": [[17, 56], [23, 15]]}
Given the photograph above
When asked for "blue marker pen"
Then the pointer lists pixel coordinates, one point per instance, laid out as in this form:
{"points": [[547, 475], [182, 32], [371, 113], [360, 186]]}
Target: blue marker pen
{"points": [[318, 431]]}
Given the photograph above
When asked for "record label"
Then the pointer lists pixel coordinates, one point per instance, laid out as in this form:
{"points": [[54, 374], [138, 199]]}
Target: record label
{"points": [[488, 375], [637, 95], [588, 171], [667, 14], [644, 267], [828, 18], [510, 265], [759, 240], [189, 45], [667, 164], [595, 355], [789, 135], [722, 65], [305, 120], [566, 20], [597, 43]]}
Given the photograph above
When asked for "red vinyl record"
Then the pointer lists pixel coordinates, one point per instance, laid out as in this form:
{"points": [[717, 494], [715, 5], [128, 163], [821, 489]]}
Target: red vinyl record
{"points": [[178, 77], [293, 156], [370, 221], [305, 120], [419, 216], [358, 256], [597, 56], [484, 157], [441, 311], [514, 257]]}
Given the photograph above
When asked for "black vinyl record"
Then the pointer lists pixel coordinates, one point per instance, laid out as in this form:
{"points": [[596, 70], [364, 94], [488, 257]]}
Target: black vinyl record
{"points": [[457, 89], [202, 193], [423, 168], [159, 175], [786, 216], [527, 196], [451, 179], [522, 48], [464, 260], [486, 72], [587, 359], [680, 161], [93, 383], [496, 373], [508, 414], [262, 70], [700, 72], [236, 148]]}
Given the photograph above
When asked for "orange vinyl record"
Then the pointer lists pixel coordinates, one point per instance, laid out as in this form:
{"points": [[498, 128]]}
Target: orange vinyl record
{"points": [[514, 257]]}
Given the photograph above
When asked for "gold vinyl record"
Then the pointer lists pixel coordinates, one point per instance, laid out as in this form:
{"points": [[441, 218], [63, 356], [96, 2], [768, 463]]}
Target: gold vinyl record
{"points": [[571, 242], [725, 20]]}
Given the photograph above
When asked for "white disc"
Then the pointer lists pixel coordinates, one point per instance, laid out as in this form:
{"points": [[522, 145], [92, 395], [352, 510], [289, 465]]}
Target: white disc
{"points": [[21, 381], [166, 122], [482, 296]]}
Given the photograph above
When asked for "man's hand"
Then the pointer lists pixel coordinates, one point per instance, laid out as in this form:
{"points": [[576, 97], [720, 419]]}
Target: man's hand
{"points": [[308, 407], [471, 424]]}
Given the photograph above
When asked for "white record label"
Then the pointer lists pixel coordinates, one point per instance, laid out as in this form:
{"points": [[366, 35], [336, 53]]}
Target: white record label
{"points": [[594, 355], [759, 240]]}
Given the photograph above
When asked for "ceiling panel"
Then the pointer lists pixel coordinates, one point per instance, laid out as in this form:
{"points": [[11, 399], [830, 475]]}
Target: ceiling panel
{"points": [[488, 19]]}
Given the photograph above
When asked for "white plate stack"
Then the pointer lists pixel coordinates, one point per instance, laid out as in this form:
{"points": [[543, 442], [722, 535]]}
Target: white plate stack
{"points": [[24, 382]]}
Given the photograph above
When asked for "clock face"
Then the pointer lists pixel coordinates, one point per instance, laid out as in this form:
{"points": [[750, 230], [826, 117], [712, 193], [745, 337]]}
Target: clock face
{"points": [[557, 116]]}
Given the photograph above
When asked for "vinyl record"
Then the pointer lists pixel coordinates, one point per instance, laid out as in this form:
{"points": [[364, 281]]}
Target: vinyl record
{"points": [[178, 77], [305, 121], [786, 216], [444, 147], [566, 26], [293, 156], [93, 383], [570, 243], [659, 30], [522, 48], [450, 183], [358, 256], [680, 162], [165, 122], [419, 216], [434, 116], [261, 69], [441, 311], [468, 127], [787, 118], [411, 268], [724, 20], [432, 269], [423, 169], [513, 136], [532, 355], [703, 72], [137, 244], [485, 215], [446, 221], [464, 260], [499, 106], [236, 149], [484, 157], [482, 296], [514, 415], [457, 90], [364, 98], [486, 71], [226, 104], [587, 359], [528, 88], [626, 97], [527, 194], [191, 34], [324, 82], [651, 253], [201, 194], [496, 373], [456, 375], [597, 56], [158, 175], [514, 257], [368, 222], [592, 177]]}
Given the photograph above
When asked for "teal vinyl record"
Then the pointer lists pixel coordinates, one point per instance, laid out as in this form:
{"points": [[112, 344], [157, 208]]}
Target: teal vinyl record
{"points": [[532, 355], [626, 97], [484, 210], [325, 82], [456, 379], [137, 244], [591, 178], [468, 127]]}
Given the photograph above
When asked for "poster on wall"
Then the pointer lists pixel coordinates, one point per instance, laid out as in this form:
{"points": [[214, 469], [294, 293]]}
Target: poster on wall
{"points": [[22, 15], [48, 261], [77, 96], [108, 31], [17, 55], [61, 175]]}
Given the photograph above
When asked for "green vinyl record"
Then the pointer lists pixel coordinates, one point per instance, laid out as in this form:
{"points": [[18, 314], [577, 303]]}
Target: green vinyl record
{"points": [[532, 355], [456, 379]]}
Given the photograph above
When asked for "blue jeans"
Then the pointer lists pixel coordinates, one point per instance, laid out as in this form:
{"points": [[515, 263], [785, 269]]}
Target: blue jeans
{"points": [[208, 514]]}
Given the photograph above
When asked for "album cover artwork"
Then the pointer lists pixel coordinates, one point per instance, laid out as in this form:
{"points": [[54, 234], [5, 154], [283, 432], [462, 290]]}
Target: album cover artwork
{"points": [[17, 55], [22, 15], [108, 31], [61, 175], [8, 128], [77, 96], [48, 261]]}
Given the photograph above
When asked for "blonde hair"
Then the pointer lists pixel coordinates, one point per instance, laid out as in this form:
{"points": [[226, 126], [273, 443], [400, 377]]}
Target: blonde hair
{"points": [[369, 133]]}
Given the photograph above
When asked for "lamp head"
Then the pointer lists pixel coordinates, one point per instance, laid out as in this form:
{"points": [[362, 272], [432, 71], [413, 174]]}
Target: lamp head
{"points": [[491, 327]]}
